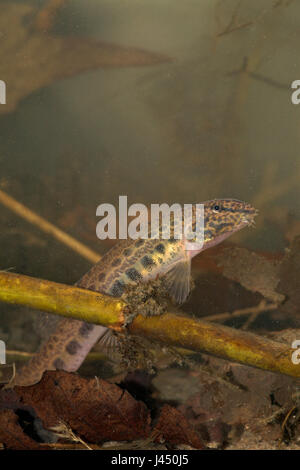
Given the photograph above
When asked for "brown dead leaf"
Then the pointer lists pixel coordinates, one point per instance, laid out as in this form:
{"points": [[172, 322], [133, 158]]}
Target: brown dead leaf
{"points": [[94, 409], [91, 409], [31, 59], [175, 429], [11, 433], [254, 272]]}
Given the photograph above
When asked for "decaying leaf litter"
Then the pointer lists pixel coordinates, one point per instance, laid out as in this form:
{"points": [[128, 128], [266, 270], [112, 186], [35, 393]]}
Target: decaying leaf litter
{"points": [[253, 278], [34, 57], [225, 401]]}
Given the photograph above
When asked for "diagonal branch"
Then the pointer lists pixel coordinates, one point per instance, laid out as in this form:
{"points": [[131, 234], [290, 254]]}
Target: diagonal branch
{"points": [[218, 340]]}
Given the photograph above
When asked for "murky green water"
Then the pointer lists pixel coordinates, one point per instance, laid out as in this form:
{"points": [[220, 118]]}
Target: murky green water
{"points": [[193, 102]]}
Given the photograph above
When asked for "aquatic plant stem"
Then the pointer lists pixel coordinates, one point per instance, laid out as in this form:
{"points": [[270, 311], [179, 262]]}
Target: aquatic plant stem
{"points": [[61, 299], [218, 340], [35, 219]]}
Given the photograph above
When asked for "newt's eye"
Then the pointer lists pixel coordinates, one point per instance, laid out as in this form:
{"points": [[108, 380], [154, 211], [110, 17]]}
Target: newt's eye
{"points": [[216, 208]]}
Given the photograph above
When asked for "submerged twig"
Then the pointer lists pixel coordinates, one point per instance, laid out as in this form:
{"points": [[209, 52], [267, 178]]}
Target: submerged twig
{"points": [[13, 354], [218, 340], [263, 306], [60, 299], [234, 24], [257, 76], [47, 227], [64, 431], [176, 330]]}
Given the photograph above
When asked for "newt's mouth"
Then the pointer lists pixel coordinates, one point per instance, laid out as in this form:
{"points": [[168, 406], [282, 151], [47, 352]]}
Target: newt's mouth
{"points": [[249, 217]]}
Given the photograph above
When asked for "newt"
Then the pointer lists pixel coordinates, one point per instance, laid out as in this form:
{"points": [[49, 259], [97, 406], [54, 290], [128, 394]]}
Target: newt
{"points": [[131, 262]]}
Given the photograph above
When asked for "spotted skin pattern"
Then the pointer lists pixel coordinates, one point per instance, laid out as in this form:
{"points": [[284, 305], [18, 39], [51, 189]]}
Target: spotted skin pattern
{"points": [[129, 262]]}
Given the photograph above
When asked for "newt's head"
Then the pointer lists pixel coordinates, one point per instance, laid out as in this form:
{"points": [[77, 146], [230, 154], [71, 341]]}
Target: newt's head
{"points": [[223, 217]]}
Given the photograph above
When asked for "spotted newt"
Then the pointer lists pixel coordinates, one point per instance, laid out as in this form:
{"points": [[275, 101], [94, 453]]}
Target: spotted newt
{"points": [[129, 262]]}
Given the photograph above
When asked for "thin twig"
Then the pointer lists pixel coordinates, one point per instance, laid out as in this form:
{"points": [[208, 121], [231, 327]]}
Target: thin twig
{"points": [[47, 227], [64, 431], [233, 24], [261, 307]]}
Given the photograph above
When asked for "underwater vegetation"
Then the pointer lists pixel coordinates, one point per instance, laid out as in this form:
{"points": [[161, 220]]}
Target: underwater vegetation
{"points": [[26, 33], [194, 105], [259, 273]]}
